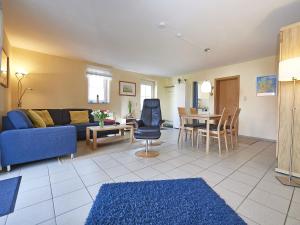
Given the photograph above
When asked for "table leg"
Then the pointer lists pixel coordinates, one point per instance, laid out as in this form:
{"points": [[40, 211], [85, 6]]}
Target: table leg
{"points": [[131, 135], [87, 137], [122, 132], [207, 136], [94, 139]]}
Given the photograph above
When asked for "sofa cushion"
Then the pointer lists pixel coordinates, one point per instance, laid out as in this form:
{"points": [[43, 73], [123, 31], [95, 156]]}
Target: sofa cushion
{"points": [[35, 119], [78, 117], [19, 119], [67, 118], [109, 122], [57, 116], [44, 114]]}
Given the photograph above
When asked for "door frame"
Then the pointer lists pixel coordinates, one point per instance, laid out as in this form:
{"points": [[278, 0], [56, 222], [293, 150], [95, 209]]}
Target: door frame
{"points": [[217, 83]]}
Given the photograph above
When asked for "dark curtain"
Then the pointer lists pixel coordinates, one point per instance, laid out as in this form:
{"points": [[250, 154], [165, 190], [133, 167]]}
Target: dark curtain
{"points": [[195, 94]]}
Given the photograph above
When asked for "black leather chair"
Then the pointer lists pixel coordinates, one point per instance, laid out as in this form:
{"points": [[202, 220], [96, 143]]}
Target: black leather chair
{"points": [[149, 124]]}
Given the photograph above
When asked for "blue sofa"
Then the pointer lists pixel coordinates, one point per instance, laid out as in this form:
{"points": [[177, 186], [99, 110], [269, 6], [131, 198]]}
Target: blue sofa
{"points": [[25, 143], [61, 117], [20, 142]]}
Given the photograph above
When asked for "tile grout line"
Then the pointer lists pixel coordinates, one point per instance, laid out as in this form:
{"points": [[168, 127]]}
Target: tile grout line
{"points": [[287, 213], [253, 189], [52, 196], [214, 164], [81, 181]]}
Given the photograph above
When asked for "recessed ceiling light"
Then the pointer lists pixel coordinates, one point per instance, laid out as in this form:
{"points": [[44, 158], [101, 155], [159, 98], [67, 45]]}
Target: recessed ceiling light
{"points": [[179, 35], [207, 50], [162, 24]]}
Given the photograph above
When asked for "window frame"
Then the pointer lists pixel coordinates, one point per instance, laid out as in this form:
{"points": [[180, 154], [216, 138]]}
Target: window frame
{"points": [[104, 74], [147, 83]]}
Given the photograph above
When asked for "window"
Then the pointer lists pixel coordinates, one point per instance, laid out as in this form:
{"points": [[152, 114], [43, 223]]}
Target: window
{"points": [[147, 91], [98, 85]]}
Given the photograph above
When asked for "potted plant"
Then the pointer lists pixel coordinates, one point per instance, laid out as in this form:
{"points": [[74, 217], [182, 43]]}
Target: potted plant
{"points": [[129, 108], [100, 116]]}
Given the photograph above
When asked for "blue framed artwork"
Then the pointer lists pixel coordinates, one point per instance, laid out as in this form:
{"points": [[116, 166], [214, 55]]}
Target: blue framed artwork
{"points": [[266, 85]]}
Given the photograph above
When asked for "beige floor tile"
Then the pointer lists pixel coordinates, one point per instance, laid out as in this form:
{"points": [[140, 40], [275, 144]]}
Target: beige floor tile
{"points": [[261, 214]]}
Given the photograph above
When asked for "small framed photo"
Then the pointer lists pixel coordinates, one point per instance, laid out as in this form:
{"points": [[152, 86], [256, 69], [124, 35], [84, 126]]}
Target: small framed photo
{"points": [[127, 88], [266, 85], [4, 74]]}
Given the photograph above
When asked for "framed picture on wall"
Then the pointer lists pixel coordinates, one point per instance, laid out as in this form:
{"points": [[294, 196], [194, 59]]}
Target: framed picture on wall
{"points": [[127, 88], [4, 74], [266, 85]]}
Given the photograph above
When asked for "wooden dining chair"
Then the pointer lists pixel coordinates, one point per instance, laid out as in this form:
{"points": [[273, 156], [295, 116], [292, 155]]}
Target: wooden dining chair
{"points": [[232, 128], [216, 131], [185, 127]]}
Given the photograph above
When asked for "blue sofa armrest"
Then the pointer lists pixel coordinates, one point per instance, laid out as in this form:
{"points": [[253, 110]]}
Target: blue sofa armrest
{"points": [[26, 145]]}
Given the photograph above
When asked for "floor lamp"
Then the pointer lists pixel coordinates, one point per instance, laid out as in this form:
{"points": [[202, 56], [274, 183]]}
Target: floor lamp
{"points": [[289, 70], [21, 92]]}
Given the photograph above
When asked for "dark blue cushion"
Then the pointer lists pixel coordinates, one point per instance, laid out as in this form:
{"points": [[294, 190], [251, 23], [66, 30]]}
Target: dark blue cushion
{"points": [[19, 119], [82, 126]]}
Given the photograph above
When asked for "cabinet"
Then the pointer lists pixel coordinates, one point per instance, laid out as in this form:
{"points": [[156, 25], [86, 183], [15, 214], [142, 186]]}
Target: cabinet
{"points": [[289, 48]]}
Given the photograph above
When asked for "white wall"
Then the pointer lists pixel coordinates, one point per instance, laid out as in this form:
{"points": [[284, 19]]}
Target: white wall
{"points": [[258, 115]]}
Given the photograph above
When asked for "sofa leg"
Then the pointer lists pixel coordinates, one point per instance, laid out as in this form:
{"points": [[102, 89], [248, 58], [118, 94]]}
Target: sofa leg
{"points": [[8, 168], [72, 156]]}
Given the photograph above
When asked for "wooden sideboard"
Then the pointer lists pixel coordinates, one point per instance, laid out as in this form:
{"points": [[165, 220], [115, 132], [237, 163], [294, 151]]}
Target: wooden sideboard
{"points": [[289, 48]]}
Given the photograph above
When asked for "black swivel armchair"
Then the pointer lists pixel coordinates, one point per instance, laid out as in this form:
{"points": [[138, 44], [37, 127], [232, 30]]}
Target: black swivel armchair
{"points": [[149, 124]]}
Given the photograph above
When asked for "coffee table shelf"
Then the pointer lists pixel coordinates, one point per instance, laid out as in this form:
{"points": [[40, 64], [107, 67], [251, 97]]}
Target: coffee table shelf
{"points": [[94, 141]]}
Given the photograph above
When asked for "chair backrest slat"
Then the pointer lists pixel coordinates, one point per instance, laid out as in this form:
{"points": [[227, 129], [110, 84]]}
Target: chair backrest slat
{"points": [[223, 119], [181, 112], [235, 117], [193, 111]]}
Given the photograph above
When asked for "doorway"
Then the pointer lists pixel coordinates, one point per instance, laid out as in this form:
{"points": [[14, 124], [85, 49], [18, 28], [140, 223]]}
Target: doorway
{"points": [[227, 94]]}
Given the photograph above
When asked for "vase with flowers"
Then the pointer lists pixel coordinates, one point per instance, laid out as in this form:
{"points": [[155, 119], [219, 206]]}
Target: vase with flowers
{"points": [[100, 116]]}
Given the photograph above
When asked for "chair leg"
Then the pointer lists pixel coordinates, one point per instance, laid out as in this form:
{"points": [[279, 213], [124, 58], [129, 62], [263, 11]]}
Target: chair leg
{"points": [[236, 137], [185, 135], [198, 136], [146, 146], [72, 155], [226, 144], [231, 139], [8, 168], [178, 136], [192, 133], [219, 143]]}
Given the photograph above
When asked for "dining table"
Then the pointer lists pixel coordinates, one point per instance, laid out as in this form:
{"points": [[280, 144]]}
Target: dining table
{"points": [[204, 117]]}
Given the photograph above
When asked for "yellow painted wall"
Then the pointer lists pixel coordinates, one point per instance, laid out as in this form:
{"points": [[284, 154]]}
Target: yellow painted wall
{"points": [[5, 93], [59, 82], [258, 115]]}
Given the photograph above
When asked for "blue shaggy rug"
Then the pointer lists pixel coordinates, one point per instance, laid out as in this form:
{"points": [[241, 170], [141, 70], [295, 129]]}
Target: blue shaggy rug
{"points": [[8, 194], [167, 202]]}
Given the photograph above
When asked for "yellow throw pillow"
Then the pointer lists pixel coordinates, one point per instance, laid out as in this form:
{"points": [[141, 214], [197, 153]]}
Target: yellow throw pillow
{"points": [[45, 115], [79, 117], [36, 119]]}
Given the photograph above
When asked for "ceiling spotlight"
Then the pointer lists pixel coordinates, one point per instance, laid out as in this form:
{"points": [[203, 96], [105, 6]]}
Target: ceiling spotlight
{"points": [[179, 35], [162, 24], [207, 50]]}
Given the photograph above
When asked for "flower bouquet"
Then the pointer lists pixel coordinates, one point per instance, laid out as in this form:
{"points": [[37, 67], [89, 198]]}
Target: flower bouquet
{"points": [[100, 116]]}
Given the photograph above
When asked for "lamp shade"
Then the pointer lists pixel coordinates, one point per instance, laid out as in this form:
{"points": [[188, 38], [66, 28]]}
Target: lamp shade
{"points": [[289, 69], [206, 86]]}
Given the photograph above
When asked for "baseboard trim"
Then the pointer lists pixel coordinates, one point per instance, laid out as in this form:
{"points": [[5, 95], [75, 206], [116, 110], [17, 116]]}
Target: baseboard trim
{"points": [[258, 138]]}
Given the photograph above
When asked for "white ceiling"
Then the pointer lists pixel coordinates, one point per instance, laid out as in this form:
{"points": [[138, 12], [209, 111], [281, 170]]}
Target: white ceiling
{"points": [[125, 33]]}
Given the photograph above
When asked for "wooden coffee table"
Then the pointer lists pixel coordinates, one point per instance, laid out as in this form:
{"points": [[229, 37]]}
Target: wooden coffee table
{"points": [[95, 129]]}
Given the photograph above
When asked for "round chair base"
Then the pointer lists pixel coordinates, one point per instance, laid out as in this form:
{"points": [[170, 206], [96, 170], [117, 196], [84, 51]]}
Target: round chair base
{"points": [[149, 154]]}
